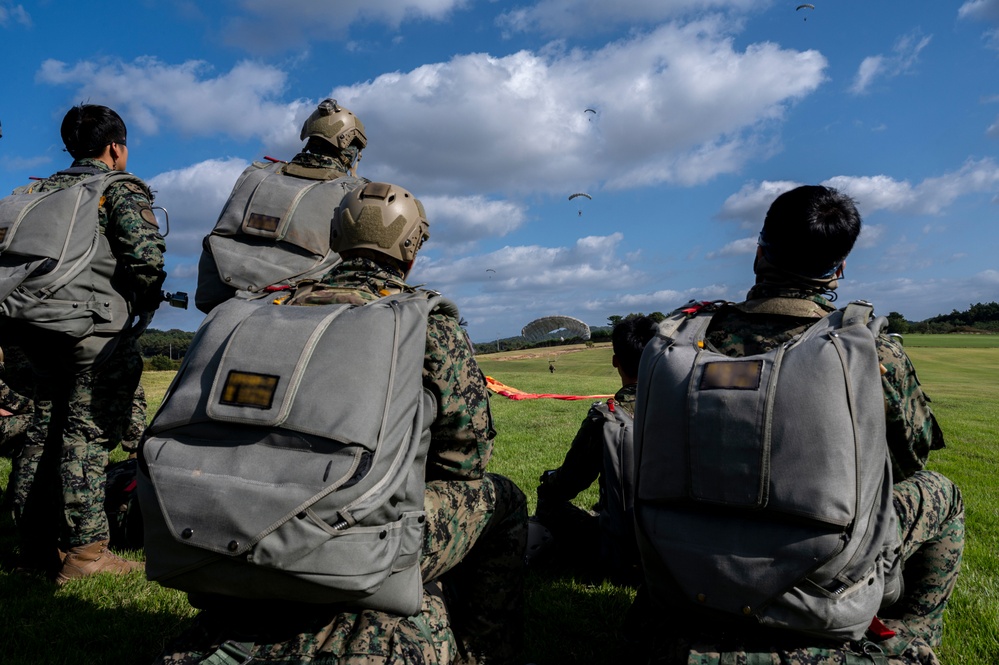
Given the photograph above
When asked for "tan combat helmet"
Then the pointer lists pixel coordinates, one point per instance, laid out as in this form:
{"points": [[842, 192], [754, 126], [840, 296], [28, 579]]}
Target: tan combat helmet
{"points": [[335, 124], [381, 217]]}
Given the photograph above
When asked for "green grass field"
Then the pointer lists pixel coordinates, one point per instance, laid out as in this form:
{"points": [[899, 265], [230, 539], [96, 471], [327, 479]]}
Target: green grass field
{"points": [[115, 621]]}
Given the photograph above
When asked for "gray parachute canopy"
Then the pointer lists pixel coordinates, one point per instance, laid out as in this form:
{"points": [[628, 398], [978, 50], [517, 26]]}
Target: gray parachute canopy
{"points": [[555, 327]]}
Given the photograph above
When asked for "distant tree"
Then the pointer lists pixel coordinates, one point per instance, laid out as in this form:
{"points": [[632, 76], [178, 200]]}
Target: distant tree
{"points": [[614, 320], [658, 317], [897, 323]]}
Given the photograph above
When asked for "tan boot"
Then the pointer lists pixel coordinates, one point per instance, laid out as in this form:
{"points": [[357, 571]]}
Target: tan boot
{"points": [[86, 560]]}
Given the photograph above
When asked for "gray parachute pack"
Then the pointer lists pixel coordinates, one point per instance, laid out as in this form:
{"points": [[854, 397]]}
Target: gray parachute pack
{"points": [[618, 487], [273, 231], [764, 485], [55, 264], [287, 459]]}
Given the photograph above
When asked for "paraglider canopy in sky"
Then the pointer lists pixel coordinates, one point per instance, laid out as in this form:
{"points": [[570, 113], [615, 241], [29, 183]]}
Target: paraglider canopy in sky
{"points": [[555, 327], [804, 6], [578, 194]]}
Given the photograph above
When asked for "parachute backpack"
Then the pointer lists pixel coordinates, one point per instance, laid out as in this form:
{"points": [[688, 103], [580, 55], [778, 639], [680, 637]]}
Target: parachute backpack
{"points": [[618, 487], [763, 483], [287, 458], [55, 264], [273, 231]]}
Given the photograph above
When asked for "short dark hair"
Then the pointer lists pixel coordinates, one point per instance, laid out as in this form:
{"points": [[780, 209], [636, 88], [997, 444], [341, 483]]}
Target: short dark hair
{"points": [[810, 230], [88, 128], [629, 338]]}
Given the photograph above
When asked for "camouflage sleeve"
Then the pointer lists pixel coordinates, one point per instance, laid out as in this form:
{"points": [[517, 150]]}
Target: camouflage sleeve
{"points": [[912, 429], [136, 242], [462, 434]]}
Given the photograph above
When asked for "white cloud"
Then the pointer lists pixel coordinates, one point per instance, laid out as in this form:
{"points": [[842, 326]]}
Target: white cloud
{"points": [[920, 299], [905, 55], [739, 247], [663, 113], [274, 25], [572, 17], [980, 10], [194, 197], [932, 196], [14, 13], [513, 124], [190, 96], [455, 220]]}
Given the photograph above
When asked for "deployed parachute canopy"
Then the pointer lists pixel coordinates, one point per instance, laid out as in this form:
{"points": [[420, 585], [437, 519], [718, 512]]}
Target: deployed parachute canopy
{"points": [[555, 327], [578, 194], [805, 6]]}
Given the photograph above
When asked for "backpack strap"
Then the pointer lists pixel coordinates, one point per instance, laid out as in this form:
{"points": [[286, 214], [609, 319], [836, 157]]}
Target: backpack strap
{"points": [[858, 312]]}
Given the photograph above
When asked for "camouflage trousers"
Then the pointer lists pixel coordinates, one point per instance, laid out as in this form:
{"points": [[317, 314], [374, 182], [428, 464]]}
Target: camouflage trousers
{"points": [[57, 479], [473, 550], [930, 514]]}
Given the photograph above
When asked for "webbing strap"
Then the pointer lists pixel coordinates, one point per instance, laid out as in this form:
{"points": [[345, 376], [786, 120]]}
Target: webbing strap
{"points": [[230, 653]]}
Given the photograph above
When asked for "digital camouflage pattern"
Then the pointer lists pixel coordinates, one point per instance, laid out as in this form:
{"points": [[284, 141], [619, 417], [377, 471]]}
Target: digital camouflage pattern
{"points": [[929, 507], [79, 419], [318, 167], [474, 540], [58, 479], [16, 388]]}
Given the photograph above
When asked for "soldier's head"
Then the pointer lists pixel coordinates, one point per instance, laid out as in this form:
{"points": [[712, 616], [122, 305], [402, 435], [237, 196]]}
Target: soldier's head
{"points": [[809, 231], [628, 340], [335, 131], [88, 130], [380, 221]]}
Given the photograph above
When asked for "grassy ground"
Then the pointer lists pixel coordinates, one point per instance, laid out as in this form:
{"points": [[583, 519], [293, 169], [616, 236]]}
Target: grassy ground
{"points": [[569, 621]]}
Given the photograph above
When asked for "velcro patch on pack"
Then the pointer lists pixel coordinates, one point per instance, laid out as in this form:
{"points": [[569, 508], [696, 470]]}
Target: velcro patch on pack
{"points": [[732, 375], [261, 222], [249, 389]]}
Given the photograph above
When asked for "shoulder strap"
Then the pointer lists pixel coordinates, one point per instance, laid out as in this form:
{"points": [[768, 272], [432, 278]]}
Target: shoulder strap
{"points": [[230, 653], [857, 312]]}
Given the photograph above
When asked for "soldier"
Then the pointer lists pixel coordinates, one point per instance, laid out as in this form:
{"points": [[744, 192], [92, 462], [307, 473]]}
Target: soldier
{"points": [[274, 228], [602, 448], [802, 251], [475, 521], [82, 411]]}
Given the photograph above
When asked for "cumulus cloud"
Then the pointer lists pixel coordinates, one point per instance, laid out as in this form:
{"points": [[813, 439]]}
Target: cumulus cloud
{"points": [[194, 196], [271, 25], [571, 17], [735, 248], [932, 196], [455, 220], [512, 125], [241, 103], [929, 197], [904, 56], [662, 100]]}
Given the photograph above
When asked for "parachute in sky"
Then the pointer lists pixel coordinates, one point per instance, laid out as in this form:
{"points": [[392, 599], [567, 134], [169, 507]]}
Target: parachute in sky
{"points": [[578, 194], [804, 6], [592, 113], [555, 327]]}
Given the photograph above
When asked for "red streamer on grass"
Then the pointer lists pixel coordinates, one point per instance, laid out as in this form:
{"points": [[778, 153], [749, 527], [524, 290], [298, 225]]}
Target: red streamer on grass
{"points": [[513, 393]]}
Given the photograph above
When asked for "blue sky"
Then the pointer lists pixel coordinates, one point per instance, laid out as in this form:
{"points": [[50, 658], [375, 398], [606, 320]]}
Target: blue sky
{"points": [[704, 111]]}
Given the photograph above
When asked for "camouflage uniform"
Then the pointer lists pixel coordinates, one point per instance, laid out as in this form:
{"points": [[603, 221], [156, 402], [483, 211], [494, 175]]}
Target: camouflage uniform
{"points": [[928, 506], [79, 417], [15, 396], [581, 535], [473, 544]]}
